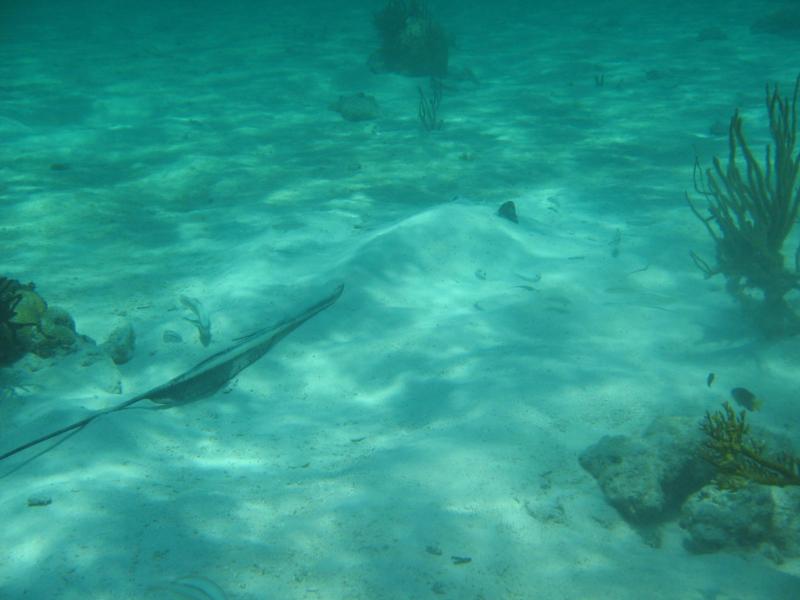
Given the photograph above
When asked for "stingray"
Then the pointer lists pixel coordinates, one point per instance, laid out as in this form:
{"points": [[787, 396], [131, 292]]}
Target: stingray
{"points": [[207, 376]]}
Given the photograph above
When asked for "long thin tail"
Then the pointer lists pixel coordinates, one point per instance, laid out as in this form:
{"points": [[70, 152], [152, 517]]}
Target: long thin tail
{"points": [[77, 425]]}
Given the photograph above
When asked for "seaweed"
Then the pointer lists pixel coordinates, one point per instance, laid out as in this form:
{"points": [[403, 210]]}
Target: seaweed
{"points": [[739, 457], [428, 109], [752, 213]]}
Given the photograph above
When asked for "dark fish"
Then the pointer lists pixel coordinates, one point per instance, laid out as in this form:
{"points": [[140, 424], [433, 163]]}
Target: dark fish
{"points": [[207, 376], [710, 379], [745, 398]]}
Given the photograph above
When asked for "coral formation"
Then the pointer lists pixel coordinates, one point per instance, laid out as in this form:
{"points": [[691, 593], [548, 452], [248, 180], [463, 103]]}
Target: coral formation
{"points": [[718, 519], [739, 458], [27, 324], [666, 473], [752, 214], [120, 344], [412, 42], [647, 479]]}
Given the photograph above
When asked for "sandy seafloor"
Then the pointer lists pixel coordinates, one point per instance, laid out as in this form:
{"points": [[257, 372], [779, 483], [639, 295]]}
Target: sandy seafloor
{"points": [[441, 404]]}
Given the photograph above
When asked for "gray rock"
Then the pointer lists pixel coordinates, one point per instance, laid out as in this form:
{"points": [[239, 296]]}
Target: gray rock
{"points": [[356, 107], [120, 344], [647, 479], [718, 519], [628, 474], [745, 518]]}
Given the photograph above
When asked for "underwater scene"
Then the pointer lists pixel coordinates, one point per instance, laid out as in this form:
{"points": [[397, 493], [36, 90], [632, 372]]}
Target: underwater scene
{"points": [[399, 299]]}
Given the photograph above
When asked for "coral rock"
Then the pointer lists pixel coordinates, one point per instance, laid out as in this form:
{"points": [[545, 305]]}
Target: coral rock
{"points": [[120, 344], [746, 518], [647, 479], [356, 107]]}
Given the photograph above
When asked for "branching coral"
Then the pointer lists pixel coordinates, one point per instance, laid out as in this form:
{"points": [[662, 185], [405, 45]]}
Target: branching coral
{"points": [[740, 458], [752, 214]]}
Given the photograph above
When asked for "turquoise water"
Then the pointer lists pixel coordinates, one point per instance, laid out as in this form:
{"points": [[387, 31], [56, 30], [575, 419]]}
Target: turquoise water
{"points": [[155, 150]]}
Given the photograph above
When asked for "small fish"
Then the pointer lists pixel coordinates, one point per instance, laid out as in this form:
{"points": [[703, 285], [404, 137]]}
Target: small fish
{"points": [[745, 398], [710, 379], [200, 320]]}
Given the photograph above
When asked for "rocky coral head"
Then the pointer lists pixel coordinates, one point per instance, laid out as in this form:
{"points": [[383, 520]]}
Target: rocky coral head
{"points": [[28, 324]]}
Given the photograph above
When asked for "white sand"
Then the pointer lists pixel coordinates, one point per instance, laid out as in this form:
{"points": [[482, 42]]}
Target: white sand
{"points": [[437, 409]]}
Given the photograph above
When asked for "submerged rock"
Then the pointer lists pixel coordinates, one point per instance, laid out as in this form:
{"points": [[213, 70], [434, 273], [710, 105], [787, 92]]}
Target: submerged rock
{"points": [[660, 477], [718, 519], [120, 344], [42, 330], [356, 107], [649, 477]]}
